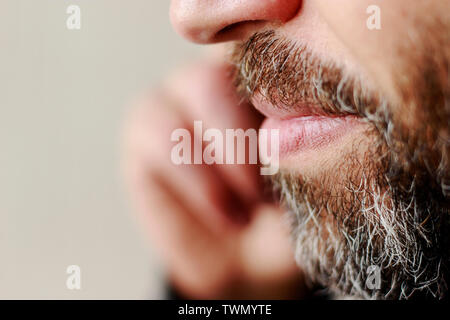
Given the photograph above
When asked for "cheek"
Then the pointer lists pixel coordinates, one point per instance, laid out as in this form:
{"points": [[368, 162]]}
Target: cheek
{"points": [[375, 49]]}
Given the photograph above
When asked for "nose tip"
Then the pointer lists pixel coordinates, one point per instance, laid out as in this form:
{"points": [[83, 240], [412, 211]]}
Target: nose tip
{"points": [[219, 20]]}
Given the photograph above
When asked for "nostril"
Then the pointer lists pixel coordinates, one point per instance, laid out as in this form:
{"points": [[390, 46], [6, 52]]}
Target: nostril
{"points": [[231, 27], [238, 30]]}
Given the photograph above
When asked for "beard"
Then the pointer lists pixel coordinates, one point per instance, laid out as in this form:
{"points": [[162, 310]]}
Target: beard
{"points": [[345, 227], [386, 207]]}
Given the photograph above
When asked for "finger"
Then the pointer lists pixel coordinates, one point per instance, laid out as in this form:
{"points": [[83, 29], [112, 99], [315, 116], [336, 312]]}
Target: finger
{"points": [[210, 96], [198, 186], [182, 241]]}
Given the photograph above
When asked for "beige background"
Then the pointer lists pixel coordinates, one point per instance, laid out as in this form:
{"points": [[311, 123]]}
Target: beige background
{"points": [[63, 96]]}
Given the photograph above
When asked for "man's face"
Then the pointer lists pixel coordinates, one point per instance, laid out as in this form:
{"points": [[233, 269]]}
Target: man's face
{"points": [[363, 115]]}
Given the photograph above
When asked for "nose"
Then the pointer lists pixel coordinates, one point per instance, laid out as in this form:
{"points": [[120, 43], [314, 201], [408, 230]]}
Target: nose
{"points": [[208, 21]]}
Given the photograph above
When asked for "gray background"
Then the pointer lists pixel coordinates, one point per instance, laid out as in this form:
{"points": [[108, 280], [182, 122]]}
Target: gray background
{"points": [[63, 97]]}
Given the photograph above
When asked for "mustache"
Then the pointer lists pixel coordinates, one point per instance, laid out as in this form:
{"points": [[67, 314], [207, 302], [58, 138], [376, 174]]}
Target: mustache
{"points": [[289, 75]]}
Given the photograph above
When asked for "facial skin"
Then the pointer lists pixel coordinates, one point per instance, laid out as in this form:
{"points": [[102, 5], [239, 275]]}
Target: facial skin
{"points": [[374, 190], [384, 206]]}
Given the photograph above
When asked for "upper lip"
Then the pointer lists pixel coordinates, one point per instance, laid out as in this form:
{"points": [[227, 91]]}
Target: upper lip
{"points": [[281, 111]]}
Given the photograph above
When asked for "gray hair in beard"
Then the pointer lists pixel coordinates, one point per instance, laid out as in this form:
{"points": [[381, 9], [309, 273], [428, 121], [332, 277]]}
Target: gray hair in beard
{"points": [[389, 209]]}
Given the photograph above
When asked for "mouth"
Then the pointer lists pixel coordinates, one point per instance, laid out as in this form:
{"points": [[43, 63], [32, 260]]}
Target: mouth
{"points": [[304, 127]]}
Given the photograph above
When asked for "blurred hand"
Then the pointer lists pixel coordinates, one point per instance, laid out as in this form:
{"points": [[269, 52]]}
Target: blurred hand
{"points": [[215, 234]]}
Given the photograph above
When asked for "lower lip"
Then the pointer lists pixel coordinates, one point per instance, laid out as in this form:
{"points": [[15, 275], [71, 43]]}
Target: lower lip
{"points": [[308, 133]]}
